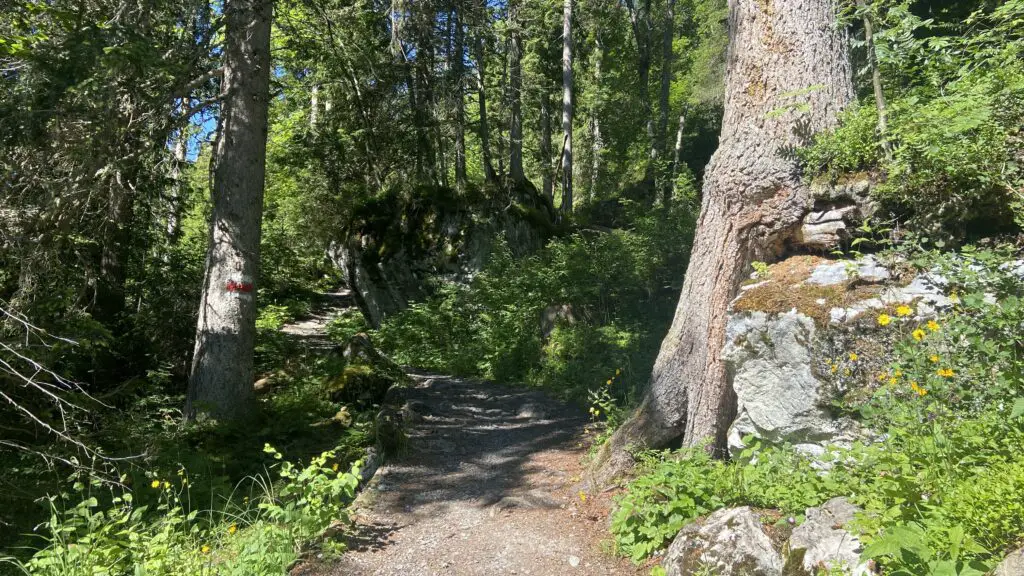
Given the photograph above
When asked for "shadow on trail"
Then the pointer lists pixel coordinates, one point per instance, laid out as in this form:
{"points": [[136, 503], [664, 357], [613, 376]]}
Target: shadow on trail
{"points": [[474, 444]]}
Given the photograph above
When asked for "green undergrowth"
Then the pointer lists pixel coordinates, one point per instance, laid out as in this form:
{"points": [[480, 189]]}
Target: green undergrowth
{"points": [[942, 483], [157, 497], [609, 296]]}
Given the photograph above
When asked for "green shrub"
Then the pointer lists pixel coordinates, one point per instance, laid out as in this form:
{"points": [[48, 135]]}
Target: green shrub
{"points": [[107, 532], [621, 287]]}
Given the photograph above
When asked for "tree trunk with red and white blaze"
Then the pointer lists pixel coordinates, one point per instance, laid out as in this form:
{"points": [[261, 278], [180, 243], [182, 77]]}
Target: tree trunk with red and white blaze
{"points": [[221, 380], [788, 77]]}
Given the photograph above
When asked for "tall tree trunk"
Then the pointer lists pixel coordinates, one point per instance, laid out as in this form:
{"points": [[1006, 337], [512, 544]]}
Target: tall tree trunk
{"points": [[596, 139], [109, 304], [640, 20], [314, 106], [567, 97], [876, 75], [503, 84], [784, 55], [515, 55], [459, 73], [485, 132], [677, 153], [546, 169], [222, 366], [661, 141], [175, 197]]}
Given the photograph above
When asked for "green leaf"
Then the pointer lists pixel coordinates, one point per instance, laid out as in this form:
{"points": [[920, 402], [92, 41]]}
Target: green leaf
{"points": [[1018, 408]]}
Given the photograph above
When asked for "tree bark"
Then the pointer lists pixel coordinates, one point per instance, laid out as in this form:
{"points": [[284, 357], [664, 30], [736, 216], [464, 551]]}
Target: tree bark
{"points": [[175, 197], [661, 140], [515, 55], [221, 379], [677, 153], [788, 77], [459, 73], [876, 75], [546, 168], [485, 132], [596, 139], [567, 96], [640, 21]]}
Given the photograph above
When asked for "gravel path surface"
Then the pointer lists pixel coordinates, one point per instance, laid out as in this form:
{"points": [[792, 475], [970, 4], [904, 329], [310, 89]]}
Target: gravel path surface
{"points": [[487, 485]]}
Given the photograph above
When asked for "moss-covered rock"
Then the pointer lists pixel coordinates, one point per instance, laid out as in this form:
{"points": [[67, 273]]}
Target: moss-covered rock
{"points": [[368, 375], [396, 241]]}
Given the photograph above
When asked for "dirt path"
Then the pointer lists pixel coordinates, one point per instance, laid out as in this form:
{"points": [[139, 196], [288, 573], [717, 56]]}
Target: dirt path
{"points": [[311, 330], [486, 486]]}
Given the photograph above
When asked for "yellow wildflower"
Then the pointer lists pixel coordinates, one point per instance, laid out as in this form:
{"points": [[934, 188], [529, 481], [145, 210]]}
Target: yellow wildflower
{"points": [[232, 529], [205, 549], [893, 381], [913, 386], [933, 325], [934, 358], [583, 496], [884, 319], [609, 382], [154, 484], [945, 372], [899, 373], [835, 368], [921, 391], [918, 334], [853, 356], [617, 371], [903, 310]]}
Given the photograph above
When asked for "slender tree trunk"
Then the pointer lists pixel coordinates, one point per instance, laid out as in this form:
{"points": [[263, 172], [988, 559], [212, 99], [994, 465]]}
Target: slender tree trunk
{"points": [[753, 199], [661, 141], [876, 75], [546, 169], [459, 73], [109, 304], [515, 55], [485, 132], [222, 366], [314, 106], [596, 139], [501, 131], [567, 97], [677, 154], [640, 20], [175, 197]]}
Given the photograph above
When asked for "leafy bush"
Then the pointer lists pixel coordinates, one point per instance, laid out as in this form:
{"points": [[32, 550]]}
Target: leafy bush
{"points": [[264, 535], [617, 287], [952, 151]]}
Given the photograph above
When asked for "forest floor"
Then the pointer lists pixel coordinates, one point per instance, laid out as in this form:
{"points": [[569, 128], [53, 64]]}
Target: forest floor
{"points": [[487, 484]]}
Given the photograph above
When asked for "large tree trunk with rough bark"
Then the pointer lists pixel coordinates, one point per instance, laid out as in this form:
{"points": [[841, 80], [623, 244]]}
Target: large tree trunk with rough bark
{"points": [[788, 77], [222, 367], [567, 95]]}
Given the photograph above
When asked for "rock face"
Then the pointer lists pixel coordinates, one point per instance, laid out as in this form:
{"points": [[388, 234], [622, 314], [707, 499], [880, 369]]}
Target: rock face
{"points": [[395, 242], [789, 336], [838, 208], [821, 543], [1012, 565], [730, 542]]}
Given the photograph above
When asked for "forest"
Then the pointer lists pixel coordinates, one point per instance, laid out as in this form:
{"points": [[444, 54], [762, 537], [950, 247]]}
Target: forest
{"points": [[667, 287]]}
